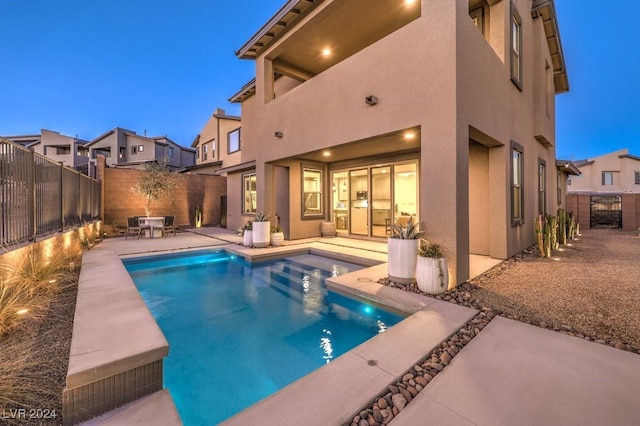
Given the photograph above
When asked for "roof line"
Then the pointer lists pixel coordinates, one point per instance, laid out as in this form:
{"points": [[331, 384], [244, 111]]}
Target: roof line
{"points": [[266, 27]]}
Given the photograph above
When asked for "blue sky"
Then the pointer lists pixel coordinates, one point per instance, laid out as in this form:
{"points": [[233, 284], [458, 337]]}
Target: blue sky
{"points": [[84, 67]]}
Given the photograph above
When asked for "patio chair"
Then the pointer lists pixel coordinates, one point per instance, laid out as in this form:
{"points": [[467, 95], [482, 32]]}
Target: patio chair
{"points": [[169, 226], [143, 226], [133, 227]]}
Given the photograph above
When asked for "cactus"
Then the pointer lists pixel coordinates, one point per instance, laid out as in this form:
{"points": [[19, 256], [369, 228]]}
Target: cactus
{"points": [[547, 240], [562, 225], [198, 217], [539, 226]]}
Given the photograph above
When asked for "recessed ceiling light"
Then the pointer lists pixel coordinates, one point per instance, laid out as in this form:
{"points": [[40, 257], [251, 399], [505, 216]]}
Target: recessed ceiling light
{"points": [[409, 2], [326, 51], [326, 153], [409, 135]]}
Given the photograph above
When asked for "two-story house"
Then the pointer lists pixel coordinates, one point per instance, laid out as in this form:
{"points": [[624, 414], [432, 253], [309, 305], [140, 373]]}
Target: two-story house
{"points": [[606, 194], [218, 144], [124, 148], [364, 112], [68, 150]]}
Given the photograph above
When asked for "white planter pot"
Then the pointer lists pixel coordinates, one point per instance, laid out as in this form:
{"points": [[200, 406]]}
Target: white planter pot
{"points": [[277, 238], [402, 260], [247, 238], [261, 234], [428, 275]]}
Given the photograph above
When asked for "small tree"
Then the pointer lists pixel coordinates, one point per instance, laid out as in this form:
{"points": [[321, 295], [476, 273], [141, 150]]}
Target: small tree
{"points": [[156, 183]]}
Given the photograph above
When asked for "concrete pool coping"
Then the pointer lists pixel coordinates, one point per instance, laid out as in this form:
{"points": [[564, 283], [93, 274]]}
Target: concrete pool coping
{"points": [[394, 351]]}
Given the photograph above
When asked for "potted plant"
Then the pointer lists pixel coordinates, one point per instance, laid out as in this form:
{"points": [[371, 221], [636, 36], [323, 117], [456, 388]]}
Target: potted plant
{"points": [[247, 234], [261, 230], [277, 236], [431, 269], [402, 250]]}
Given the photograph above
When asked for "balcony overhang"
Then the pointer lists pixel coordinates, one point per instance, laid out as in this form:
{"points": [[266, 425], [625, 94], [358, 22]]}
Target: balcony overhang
{"points": [[333, 31], [546, 10]]}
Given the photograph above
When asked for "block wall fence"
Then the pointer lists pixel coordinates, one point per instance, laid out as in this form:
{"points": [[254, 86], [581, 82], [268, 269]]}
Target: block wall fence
{"points": [[580, 205], [204, 191]]}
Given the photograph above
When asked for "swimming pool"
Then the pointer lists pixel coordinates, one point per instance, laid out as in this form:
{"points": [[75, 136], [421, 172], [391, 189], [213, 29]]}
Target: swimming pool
{"points": [[239, 332]]}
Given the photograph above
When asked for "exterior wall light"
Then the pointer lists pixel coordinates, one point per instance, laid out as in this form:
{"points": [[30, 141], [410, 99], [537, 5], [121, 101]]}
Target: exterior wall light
{"points": [[279, 135], [371, 100]]}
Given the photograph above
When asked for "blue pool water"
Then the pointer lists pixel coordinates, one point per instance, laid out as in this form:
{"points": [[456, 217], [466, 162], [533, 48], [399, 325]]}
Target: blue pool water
{"points": [[239, 332]]}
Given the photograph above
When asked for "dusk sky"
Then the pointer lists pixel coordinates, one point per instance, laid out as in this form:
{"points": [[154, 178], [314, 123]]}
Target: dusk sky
{"points": [[83, 67]]}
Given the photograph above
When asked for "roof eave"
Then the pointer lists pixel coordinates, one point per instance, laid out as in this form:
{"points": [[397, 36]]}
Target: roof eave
{"points": [[560, 77]]}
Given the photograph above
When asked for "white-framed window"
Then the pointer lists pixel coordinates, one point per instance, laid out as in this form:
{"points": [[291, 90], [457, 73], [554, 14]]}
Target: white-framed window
{"points": [[516, 47], [213, 149], [312, 192], [197, 152], [250, 202], [140, 148], [517, 196], [205, 149], [637, 177], [607, 178], [170, 152], [233, 141]]}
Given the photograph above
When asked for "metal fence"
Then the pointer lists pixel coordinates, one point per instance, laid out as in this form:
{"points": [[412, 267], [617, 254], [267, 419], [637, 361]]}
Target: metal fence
{"points": [[39, 196]]}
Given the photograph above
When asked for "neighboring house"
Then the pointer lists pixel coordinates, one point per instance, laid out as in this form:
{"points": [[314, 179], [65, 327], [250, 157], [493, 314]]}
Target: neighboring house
{"points": [[616, 172], [69, 150], [218, 144], [607, 193], [363, 112], [126, 149]]}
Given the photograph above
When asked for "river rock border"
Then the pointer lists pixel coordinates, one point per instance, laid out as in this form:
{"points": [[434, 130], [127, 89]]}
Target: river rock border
{"points": [[394, 399]]}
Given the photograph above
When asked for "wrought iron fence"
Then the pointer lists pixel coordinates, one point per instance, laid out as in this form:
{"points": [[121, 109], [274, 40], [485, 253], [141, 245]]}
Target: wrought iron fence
{"points": [[39, 196]]}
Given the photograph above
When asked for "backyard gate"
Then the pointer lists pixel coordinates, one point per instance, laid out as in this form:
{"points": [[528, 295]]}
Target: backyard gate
{"points": [[606, 211]]}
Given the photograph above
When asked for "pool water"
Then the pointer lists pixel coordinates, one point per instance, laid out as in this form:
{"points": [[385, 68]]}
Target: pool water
{"points": [[239, 332]]}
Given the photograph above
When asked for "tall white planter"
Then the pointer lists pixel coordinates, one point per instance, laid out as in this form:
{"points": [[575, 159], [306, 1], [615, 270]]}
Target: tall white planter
{"points": [[261, 234], [428, 275], [247, 238], [403, 255]]}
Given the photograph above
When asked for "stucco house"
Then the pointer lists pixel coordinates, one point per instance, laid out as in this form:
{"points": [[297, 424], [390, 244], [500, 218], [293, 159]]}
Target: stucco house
{"points": [[218, 144], [606, 194], [124, 148], [364, 112], [69, 150]]}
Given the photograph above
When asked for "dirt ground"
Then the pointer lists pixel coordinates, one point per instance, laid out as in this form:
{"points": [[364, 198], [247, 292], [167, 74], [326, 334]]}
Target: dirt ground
{"points": [[591, 285]]}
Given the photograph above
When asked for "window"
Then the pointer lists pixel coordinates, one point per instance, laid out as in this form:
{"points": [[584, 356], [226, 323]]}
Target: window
{"points": [[170, 152], [140, 148], [560, 191], [607, 178], [121, 152], [542, 187], [249, 193], [516, 47], [233, 138], [517, 198], [204, 152], [197, 152], [311, 192], [637, 175], [134, 150], [213, 149]]}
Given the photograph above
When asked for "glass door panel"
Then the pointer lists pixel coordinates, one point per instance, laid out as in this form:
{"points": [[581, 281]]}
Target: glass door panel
{"points": [[340, 200], [381, 201], [359, 202], [405, 192]]}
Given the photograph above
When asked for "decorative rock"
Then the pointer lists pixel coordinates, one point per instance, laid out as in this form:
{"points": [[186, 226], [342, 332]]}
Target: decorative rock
{"points": [[407, 377], [382, 403], [393, 389], [388, 416], [620, 345], [364, 414], [395, 411], [363, 422], [453, 351], [399, 402], [372, 422], [417, 368], [422, 380], [406, 394], [419, 387], [445, 358], [377, 415], [412, 391]]}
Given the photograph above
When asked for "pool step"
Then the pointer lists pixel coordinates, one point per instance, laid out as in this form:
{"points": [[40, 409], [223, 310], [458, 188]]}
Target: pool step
{"points": [[164, 263]]}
